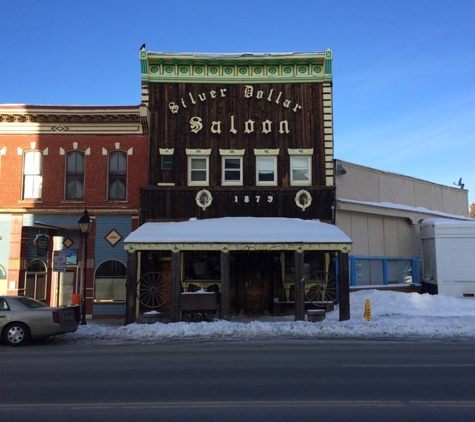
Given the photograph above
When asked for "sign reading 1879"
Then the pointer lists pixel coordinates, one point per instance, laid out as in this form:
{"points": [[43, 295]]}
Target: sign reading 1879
{"points": [[253, 198]]}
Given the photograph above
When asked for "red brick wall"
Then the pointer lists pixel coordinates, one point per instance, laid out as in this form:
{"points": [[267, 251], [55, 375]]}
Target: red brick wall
{"points": [[53, 194]]}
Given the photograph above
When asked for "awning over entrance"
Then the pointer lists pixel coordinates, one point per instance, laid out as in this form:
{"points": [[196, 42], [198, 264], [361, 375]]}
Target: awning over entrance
{"points": [[239, 233]]}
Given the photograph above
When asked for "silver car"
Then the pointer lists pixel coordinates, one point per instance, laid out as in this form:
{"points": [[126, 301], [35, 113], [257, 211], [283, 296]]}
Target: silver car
{"points": [[23, 318]]}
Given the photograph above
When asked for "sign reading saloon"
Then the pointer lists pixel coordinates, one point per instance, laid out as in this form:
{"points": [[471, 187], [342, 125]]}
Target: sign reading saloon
{"points": [[231, 122]]}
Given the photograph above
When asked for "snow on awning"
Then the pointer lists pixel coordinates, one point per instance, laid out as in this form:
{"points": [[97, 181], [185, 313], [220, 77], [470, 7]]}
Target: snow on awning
{"points": [[239, 233]]}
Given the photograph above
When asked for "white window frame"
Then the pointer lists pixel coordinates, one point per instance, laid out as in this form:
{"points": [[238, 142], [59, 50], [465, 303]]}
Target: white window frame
{"points": [[32, 175], [195, 155], [234, 155], [270, 155], [300, 154]]}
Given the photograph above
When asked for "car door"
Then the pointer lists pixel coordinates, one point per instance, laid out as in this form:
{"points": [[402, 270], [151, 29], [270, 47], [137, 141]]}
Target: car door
{"points": [[5, 313]]}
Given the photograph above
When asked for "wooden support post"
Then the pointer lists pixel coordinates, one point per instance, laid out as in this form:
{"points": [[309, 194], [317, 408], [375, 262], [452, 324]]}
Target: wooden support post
{"points": [[299, 287], [175, 311], [131, 288], [225, 286], [344, 286]]}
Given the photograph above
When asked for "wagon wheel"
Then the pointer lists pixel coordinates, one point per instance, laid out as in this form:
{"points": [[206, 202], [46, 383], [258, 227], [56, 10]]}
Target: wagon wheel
{"points": [[320, 288], [153, 290]]}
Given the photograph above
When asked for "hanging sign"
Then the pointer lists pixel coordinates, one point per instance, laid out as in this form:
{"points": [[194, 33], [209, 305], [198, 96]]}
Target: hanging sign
{"points": [[41, 242]]}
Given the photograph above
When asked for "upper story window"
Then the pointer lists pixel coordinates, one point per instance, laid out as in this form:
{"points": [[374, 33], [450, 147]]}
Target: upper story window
{"points": [[75, 175], [266, 167], [117, 175], [300, 166], [198, 167], [32, 175], [166, 158], [231, 163]]}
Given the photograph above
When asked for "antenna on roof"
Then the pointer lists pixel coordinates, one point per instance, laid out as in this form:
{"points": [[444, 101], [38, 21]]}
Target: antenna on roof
{"points": [[459, 183]]}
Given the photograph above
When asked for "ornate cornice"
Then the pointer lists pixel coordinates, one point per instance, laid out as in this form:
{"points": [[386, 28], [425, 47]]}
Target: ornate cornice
{"points": [[26, 119], [236, 68]]}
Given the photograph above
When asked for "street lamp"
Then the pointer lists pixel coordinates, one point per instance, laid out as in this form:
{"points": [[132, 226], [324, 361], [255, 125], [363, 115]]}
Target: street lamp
{"points": [[85, 224]]}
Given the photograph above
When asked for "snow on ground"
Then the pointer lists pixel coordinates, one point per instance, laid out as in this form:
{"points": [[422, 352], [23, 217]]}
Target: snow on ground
{"points": [[394, 315]]}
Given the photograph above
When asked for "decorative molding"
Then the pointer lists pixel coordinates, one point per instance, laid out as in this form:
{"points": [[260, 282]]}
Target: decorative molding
{"points": [[300, 151], [232, 151], [198, 151], [24, 119], [166, 151], [266, 151], [235, 68]]}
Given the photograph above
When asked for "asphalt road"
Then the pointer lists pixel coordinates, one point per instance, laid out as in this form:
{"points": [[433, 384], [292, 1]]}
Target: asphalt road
{"points": [[239, 381]]}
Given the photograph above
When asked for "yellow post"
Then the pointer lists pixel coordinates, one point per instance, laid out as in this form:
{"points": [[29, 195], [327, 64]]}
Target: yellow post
{"points": [[367, 310]]}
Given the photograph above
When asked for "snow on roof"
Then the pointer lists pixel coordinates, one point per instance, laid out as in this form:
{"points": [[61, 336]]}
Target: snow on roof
{"points": [[402, 207], [239, 230], [448, 222]]}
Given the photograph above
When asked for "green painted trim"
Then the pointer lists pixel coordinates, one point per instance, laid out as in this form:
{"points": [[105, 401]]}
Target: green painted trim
{"points": [[246, 68]]}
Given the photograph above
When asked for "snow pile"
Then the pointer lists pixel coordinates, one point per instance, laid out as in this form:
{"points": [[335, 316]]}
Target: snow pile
{"points": [[394, 315]]}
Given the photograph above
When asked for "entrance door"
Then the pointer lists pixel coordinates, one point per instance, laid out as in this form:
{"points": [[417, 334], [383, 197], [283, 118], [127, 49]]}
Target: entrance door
{"points": [[252, 282], [66, 288]]}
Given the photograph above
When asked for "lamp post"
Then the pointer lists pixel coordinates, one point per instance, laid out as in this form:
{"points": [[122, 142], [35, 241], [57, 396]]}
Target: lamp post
{"points": [[85, 224]]}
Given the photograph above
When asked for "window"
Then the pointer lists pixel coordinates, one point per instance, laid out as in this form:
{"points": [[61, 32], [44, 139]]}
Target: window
{"points": [[32, 175], [300, 170], [35, 284], [109, 283], [198, 173], [198, 166], [75, 175], [117, 175], [266, 171], [232, 171], [167, 162]]}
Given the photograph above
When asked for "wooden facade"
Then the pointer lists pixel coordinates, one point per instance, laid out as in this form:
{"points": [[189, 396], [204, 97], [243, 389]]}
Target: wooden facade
{"points": [[238, 136]]}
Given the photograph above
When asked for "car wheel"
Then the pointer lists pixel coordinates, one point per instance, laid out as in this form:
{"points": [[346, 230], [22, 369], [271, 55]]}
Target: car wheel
{"points": [[16, 334]]}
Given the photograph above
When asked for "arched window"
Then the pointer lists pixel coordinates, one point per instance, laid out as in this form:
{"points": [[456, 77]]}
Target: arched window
{"points": [[117, 175], [35, 282], [109, 282], [75, 175], [32, 175]]}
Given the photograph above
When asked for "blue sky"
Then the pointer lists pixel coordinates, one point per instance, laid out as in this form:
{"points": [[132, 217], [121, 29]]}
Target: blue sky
{"points": [[403, 70]]}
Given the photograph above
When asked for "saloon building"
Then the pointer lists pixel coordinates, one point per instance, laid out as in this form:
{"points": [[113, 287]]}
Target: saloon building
{"points": [[247, 138]]}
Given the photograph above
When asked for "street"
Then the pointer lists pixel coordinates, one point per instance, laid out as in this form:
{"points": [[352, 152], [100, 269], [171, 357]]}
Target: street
{"points": [[236, 381]]}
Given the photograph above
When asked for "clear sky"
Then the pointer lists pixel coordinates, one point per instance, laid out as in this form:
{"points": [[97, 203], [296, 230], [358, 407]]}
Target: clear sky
{"points": [[403, 70]]}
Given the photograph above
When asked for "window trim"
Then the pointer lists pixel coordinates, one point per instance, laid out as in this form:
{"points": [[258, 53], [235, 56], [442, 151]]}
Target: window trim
{"points": [[267, 153], [198, 154], [116, 176], [231, 154], [75, 198], [300, 153], [37, 186]]}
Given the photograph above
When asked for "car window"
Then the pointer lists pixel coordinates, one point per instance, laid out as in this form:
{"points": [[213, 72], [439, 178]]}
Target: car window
{"points": [[31, 303], [4, 305]]}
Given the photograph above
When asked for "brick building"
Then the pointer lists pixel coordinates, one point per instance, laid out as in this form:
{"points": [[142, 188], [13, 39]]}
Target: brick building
{"points": [[55, 162]]}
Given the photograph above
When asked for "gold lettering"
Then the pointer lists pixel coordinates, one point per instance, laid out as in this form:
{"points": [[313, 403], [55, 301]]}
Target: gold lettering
{"points": [[233, 129], [267, 126], [173, 108], [216, 127], [249, 126], [195, 124], [284, 126], [248, 91]]}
